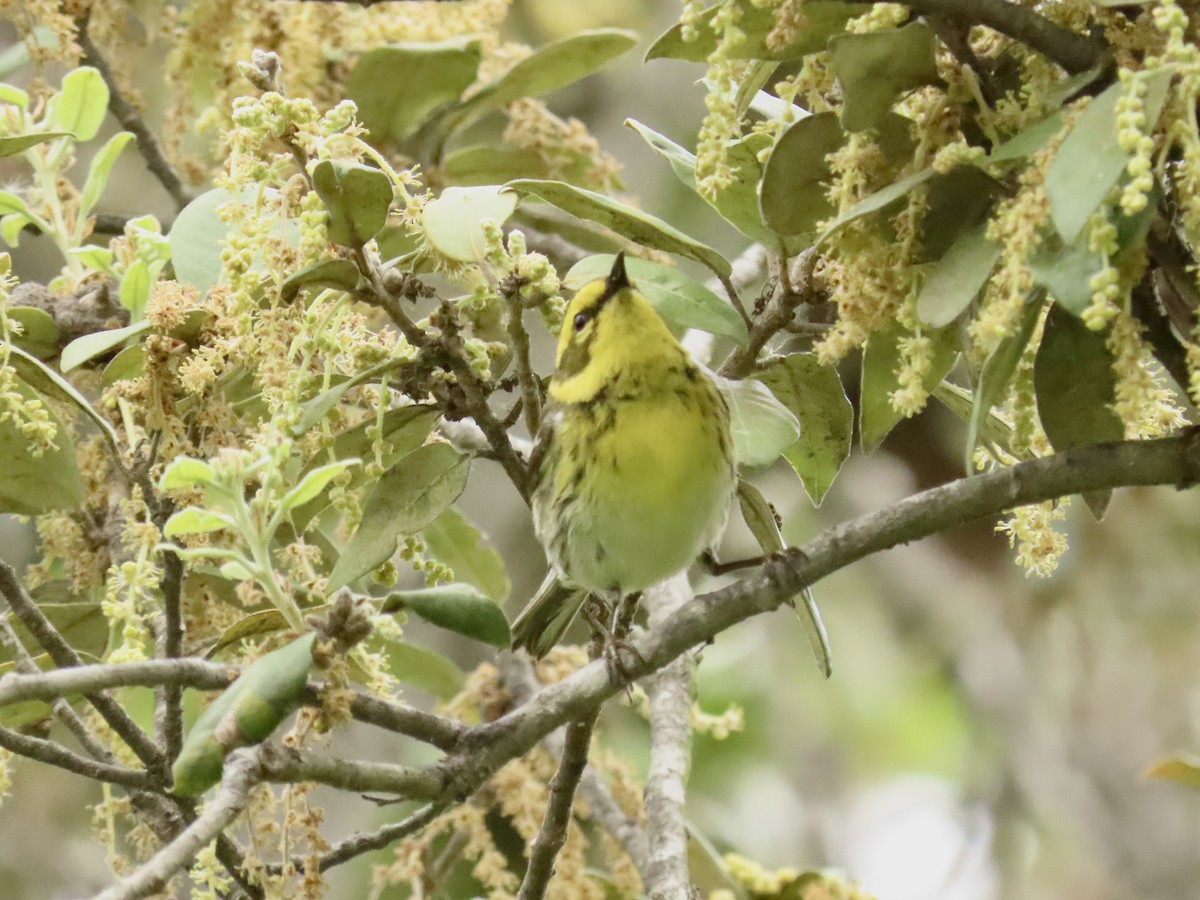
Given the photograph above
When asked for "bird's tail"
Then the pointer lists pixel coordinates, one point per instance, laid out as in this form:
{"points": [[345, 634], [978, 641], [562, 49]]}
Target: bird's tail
{"points": [[546, 617]]}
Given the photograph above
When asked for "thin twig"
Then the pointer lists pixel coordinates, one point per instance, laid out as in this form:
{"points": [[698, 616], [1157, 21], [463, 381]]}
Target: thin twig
{"points": [[54, 754], [510, 290], [240, 775], [522, 685], [553, 833], [62, 710], [65, 656], [670, 692], [169, 699], [131, 120], [789, 293], [358, 844]]}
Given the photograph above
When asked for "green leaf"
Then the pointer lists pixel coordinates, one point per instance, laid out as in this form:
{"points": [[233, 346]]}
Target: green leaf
{"points": [[1180, 769], [235, 571], [11, 226], [409, 496], [397, 87], [814, 393], [316, 408], [762, 427], [759, 517], [80, 622], [456, 607], [956, 202], [256, 625], [553, 66], [1027, 142], [421, 668], [89, 346], [404, 430], [881, 360], [1090, 159], [822, 20], [13, 95], [1075, 385], [633, 224], [39, 333], [681, 160], [337, 274], [135, 289], [793, 185], [99, 259], [997, 373], [357, 198], [1066, 270], [314, 482], [265, 694], [453, 222], [876, 67], [46, 381], [679, 299], [11, 203], [482, 164], [737, 202], [196, 238], [186, 472], [956, 279], [452, 540], [100, 168], [877, 201], [80, 104], [129, 363], [19, 143], [30, 485], [194, 520]]}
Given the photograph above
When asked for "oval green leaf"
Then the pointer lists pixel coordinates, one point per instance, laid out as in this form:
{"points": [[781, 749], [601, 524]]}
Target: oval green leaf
{"points": [[632, 223], [409, 496], [456, 607]]}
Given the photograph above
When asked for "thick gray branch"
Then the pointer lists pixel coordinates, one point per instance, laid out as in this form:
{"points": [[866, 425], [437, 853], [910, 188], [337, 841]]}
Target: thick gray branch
{"points": [[56, 755], [671, 691], [1173, 461], [285, 764]]}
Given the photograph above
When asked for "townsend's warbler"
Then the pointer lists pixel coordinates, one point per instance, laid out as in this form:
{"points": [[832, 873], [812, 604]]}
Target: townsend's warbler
{"points": [[634, 463]]}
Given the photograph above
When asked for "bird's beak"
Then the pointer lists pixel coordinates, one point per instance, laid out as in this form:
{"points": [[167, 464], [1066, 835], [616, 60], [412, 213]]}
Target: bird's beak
{"points": [[617, 278]]}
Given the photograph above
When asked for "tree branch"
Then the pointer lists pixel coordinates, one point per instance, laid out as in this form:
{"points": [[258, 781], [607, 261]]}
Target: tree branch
{"points": [[65, 657], [553, 833], [241, 774], [198, 673], [522, 685], [56, 755], [169, 699], [1073, 51], [671, 691], [1174, 460], [287, 764], [358, 844], [131, 120]]}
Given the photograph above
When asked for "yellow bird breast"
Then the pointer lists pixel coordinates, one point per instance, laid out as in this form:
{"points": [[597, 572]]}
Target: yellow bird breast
{"points": [[656, 492]]}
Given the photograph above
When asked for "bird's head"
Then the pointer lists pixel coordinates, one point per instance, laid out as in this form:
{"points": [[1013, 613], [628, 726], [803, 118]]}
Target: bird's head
{"points": [[609, 330]]}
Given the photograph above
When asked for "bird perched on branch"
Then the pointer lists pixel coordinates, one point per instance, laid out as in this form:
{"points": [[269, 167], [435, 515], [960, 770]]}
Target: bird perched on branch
{"points": [[634, 463]]}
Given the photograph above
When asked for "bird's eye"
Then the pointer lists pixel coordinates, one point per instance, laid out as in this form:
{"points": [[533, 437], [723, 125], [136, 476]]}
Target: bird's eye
{"points": [[581, 319]]}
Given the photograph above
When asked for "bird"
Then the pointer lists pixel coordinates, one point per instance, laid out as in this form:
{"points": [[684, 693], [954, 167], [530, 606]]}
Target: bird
{"points": [[633, 468]]}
